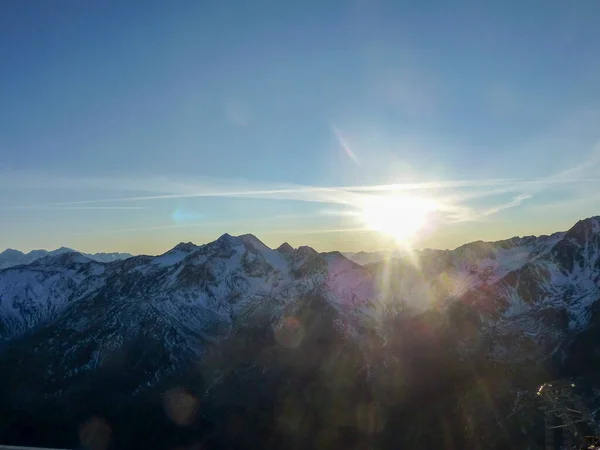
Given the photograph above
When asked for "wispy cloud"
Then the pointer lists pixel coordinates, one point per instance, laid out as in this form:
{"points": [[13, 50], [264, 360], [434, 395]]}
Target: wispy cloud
{"points": [[202, 224], [347, 195], [342, 194], [455, 206], [157, 185], [453, 197], [514, 202], [138, 229], [71, 208]]}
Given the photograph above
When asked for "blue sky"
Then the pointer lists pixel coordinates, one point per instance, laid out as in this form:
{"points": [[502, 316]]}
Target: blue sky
{"points": [[132, 126]]}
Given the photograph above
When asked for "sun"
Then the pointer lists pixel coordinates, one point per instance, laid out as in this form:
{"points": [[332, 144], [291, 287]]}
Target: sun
{"points": [[397, 216]]}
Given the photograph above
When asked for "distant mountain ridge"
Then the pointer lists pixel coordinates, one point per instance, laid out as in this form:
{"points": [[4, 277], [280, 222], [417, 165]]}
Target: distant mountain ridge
{"points": [[11, 257], [370, 257], [292, 348]]}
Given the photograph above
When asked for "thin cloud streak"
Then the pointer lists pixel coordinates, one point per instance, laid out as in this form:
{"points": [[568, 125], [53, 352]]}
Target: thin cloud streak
{"points": [[72, 208], [452, 206], [515, 202], [291, 193], [353, 197], [282, 194], [343, 194], [36, 180], [133, 230], [199, 224]]}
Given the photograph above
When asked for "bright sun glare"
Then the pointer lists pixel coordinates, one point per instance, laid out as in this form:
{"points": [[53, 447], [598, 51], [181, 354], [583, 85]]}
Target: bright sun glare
{"points": [[397, 216]]}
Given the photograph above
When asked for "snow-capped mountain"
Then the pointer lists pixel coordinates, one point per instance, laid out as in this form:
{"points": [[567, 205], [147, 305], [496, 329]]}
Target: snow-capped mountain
{"points": [[11, 257], [234, 319], [197, 287]]}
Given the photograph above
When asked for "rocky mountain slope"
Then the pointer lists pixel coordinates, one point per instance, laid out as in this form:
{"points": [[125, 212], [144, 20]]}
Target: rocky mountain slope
{"points": [[233, 342], [11, 257]]}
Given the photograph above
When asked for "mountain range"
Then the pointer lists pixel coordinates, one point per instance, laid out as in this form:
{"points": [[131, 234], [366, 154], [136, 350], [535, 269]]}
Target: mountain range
{"points": [[233, 344], [11, 257]]}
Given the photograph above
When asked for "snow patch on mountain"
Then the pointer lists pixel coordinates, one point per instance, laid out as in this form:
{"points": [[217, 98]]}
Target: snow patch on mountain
{"points": [[529, 293]]}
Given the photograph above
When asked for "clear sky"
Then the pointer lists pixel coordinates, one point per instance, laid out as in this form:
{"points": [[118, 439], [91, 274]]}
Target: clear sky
{"points": [[134, 125]]}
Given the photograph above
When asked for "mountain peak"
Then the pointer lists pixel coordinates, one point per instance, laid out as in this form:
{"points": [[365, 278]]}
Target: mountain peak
{"points": [[594, 223], [285, 248], [61, 250], [11, 252], [250, 239], [185, 247], [583, 228], [63, 258], [225, 237], [225, 242], [305, 250]]}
